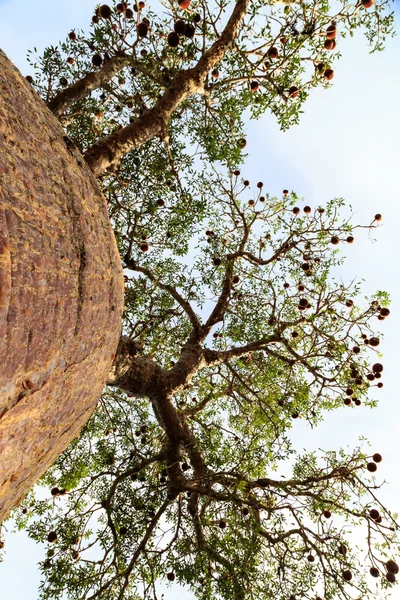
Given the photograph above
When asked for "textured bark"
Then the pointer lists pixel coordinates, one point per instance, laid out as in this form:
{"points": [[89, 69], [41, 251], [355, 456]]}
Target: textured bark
{"points": [[61, 289]]}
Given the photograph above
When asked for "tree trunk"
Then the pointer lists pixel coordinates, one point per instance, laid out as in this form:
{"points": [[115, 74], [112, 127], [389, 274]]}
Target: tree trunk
{"points": [[61, 289]]}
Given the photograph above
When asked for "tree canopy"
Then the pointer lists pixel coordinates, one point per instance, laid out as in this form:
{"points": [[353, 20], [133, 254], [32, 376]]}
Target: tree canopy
{"points": [[236, 322]]}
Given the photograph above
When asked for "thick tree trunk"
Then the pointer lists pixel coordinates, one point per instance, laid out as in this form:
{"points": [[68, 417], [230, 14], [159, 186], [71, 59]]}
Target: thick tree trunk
{"points": [[61, 289]]}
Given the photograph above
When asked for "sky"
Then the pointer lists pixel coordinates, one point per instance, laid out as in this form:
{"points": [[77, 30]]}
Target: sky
{"points": [[347, 145]]}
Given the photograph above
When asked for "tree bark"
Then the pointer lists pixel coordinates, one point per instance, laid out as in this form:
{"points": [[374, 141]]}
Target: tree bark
{"points": [[61, 289]]}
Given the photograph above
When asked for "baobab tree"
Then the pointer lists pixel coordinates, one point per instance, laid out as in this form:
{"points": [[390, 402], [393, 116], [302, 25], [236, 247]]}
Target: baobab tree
{"points": [[173, 478], [109, 114]]}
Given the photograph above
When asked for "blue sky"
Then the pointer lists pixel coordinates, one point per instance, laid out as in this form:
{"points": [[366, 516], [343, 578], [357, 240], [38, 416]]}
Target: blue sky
{"points": [[347, 144]]}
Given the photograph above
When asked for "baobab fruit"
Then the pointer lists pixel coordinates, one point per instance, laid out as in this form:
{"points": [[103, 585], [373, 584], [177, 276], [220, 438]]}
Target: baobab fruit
{"points": [[261, 199], [173, 39], [189, 31], [327, 514], [217, 261], [185, 466], [144, 247], [52, 537], [367, 3], [196, 18], [273, 52], [215, 73], [260, 185], [141, 4], [349, 392], [377, 368], [184, 4], [105, 11], [160, 202], [370, 377], [25, 511], [378, 217], [246, 182], [310, 558], [95, 19], [55, 491], [286, 285], [96, 60], [374, 572], [245, 511], [295, 415], [331, 32], [236, 173], [171, 576], [303, 302], [371, 466], [295, 334], [142, 29], [307, 209], [129, 13], [342, 549], [70, 60], [63, 81], [329, 74], [285, 193], [251, 203], [179, 27], [347, 575], [222, 524], [334, 240], [357, 402], [235, 279], [349, 303], [356, 349], [293, 91], [329, 44], [380, 384], [392, 567], [242, 143], [384, 312], [72, 35], [374, 514], [347, 401], [377, 457], [305, 266], [391, 577], [320, 67], [254, 85], [75, 554], [121, 7], [2, 544]]}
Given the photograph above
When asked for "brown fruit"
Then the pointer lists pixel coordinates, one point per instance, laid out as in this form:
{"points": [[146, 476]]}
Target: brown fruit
{"points": [[215, 74], [173, 39], [184, 3], [273, 52], [379, 385], [310, 558], [374, 572], [70, 60], [367, 3], [235, 279], [142, 30], [347, 575], [307, 209], [374, 514], [392, 567], [370, 377], [371, 466], [342, 549], [25, 511], [52, 537], [356, 349], [144, 247], [160, 202], [95, 19], [242, 143], [236, 173], [72, 35], [260, 185], [305, 266], [75, 554], [377, 457], [303, 302], [347, 401], [330, 44], [349, 392], [350, 239], [374, 341], [293, 91], [300, 288], [189, 31], [254, 85], [391, 577], [217, 261], [327, 514], [331, 32], [377, 368], [245, 511], [357, 402], [334, 240], [171, 576], [320, 67], [96, 60], [2, 544], [251, 202], [295, 415], [329, 74], [246, 182], [196, 18], [179, 27], [129, 13], [378, 217], [222, 524], [105, 11], [285, 193], [141, 4], [296, 210], [385, 312]]}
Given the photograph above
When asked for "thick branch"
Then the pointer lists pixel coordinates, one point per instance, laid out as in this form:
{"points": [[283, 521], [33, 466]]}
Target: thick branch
{"points": [[153, 122], [91, 81]]}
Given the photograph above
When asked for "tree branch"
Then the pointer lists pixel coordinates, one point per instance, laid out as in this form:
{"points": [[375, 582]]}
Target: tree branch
{"points": [[87, 84]]}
